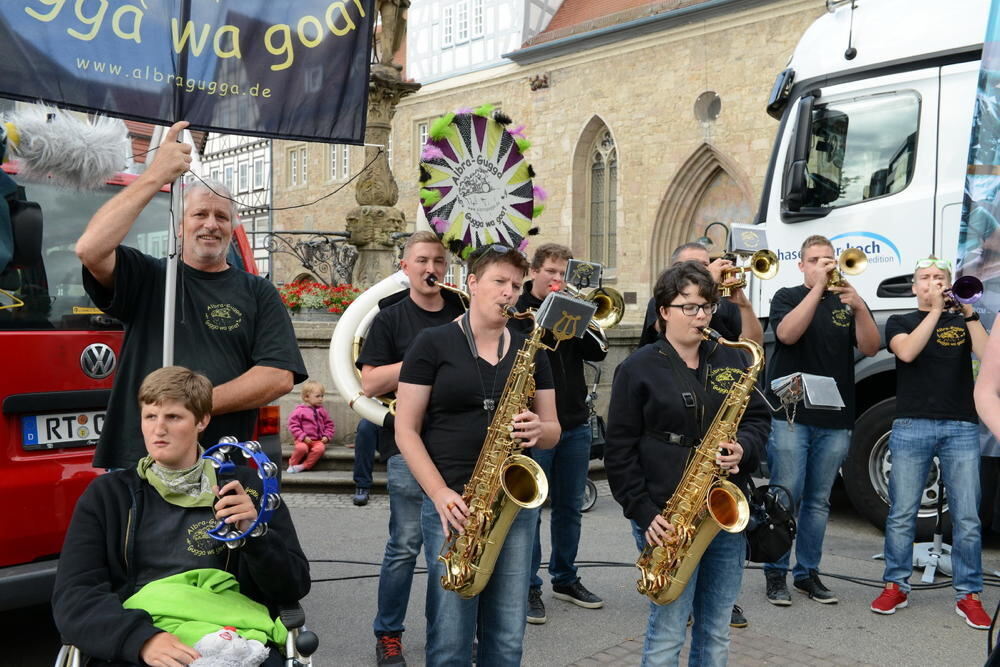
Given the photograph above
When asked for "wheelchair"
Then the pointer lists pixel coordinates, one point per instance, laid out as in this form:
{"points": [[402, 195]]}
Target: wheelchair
{"points": [[299, 646]]}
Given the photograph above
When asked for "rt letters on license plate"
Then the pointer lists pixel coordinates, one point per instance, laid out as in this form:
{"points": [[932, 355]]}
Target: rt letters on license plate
{"points": [[74, 429]]}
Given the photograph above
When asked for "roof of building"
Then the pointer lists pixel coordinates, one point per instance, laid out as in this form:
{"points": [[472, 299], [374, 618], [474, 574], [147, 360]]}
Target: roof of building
{"points": [[579, 16]]}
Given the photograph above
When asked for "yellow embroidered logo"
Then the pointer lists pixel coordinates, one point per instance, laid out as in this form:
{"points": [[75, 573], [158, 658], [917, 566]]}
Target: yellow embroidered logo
{"points": [[721, 379], [198, 541], [950, 336], [223, 317], [841, 318]]}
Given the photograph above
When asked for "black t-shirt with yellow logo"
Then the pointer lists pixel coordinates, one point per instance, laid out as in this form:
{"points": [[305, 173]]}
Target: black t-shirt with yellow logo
{"points": [[825, 348], [938, 383]]}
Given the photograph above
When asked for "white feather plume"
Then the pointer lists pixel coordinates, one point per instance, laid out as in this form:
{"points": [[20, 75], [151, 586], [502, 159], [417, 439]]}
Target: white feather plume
{"points": [[66, 147]]}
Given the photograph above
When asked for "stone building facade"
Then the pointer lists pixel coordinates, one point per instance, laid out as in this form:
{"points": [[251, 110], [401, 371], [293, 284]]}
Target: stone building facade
{"points": [[655, 125]]}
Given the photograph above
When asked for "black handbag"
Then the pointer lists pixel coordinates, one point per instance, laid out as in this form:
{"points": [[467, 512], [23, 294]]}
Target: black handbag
{"points": [[771, 529]]}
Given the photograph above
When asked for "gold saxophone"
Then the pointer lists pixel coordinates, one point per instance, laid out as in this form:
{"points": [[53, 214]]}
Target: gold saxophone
{"points": [[503, 482], [704, 501]]}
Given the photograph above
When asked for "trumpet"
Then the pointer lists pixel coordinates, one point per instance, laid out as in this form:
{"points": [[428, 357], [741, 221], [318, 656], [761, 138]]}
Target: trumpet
{"points": [[851, 262], [763, 264], [965, 290], [462, 294]]}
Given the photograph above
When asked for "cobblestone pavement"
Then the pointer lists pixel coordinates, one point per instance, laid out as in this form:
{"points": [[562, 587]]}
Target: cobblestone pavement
{"points": [[331, 500], [746, 649]]}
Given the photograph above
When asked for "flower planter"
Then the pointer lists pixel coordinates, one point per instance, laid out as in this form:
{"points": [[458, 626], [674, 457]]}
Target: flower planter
{"points": [[315, 315]]}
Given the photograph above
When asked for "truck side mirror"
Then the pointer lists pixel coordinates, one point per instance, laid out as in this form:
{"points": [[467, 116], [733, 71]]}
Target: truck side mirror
{"points": [[793, 193]]}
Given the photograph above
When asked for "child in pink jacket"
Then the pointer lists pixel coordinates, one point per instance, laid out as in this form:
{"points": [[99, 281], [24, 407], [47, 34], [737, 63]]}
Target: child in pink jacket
{"points": [[311, 426]]}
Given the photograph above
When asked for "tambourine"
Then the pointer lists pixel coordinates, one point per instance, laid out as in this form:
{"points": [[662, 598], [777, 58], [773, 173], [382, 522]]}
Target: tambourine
{"points": [[267, 470]]}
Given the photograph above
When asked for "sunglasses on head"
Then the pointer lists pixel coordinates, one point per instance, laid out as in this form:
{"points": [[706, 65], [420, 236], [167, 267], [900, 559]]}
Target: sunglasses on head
{"points": [[942, 264], [482, 251]]}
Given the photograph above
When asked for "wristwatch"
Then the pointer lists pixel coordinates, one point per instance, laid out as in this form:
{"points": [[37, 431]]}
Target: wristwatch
{"points": [[974, 317]]}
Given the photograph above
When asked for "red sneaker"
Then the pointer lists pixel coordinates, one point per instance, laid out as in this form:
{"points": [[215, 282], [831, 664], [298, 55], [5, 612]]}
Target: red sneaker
{"points": [[890, 600], [971, 609]]}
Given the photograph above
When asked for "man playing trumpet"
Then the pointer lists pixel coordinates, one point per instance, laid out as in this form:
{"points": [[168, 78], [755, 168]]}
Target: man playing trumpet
{"points": [[816, 329], [935, 416]]}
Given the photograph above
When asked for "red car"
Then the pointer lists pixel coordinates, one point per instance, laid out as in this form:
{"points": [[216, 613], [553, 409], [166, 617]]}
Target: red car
{"points": [[59, 355]]}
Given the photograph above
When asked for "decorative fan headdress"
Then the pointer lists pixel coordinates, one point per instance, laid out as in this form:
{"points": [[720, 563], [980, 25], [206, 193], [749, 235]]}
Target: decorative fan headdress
{"points": [[476, 185]]}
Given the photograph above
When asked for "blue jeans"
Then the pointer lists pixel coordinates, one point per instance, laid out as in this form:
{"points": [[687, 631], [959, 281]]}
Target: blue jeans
{"points": [[401, 551], [565, 467], [913, 444], [365, 444], [500, 610], [708, 598], [805, 460]]}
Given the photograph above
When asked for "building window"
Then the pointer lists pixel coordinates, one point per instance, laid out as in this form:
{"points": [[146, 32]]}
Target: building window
{"points": [[258, 173], [478, 20], [215, 175], [462, 22], [345, 162], [293, 167], [388, 150], [244, 182], [603, 200], [332, 166], [304, 160], [421, 136], [228, 179], [448, 26]]}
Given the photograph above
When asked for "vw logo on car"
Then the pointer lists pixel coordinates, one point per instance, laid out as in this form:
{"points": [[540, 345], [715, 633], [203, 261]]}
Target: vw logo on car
{"points": [[98, 360]]}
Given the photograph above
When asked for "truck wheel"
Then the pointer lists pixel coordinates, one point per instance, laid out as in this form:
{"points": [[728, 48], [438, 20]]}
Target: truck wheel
{"points": [[589, 496], [866, 473]]}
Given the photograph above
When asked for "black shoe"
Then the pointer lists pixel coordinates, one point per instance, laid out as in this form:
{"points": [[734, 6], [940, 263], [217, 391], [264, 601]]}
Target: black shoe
{"points": [[360, 497], [389, 649], [777, 591], [536, 609], [815, 589], [737, 619], [578, 595]]}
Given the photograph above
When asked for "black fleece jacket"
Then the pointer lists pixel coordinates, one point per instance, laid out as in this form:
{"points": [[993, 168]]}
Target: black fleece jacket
{"points": [[97, 567], [567, 366], [647, 405]]}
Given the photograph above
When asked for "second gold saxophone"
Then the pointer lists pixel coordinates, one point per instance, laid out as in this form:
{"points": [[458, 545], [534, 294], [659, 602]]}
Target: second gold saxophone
{"points": [[704, 501]]}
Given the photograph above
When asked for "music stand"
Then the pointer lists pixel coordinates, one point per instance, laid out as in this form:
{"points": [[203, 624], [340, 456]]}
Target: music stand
{"points": [[934, 555]]}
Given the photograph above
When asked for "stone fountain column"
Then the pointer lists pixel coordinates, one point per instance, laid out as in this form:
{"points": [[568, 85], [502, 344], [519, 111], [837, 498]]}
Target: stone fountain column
{"points": [[375, 219]]}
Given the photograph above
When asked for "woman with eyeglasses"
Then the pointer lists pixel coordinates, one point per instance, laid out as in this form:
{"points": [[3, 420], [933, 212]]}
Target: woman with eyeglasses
{"points": [[450, 386], [663, 399]]}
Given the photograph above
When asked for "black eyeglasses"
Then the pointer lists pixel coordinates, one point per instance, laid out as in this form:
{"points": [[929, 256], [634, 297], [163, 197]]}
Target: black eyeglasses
{"points": [[691, 309]]}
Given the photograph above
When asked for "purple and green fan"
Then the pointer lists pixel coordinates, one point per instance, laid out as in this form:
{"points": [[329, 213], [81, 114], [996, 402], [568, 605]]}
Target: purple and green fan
{"points": [[476, 185]]}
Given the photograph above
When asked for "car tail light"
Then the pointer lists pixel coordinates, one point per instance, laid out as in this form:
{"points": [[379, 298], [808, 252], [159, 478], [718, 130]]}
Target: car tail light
{"points": [[268, 420]]}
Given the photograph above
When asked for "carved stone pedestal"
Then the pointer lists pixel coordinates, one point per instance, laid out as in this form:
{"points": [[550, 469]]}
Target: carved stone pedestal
{"points": [[375, 219], [371, 229]]}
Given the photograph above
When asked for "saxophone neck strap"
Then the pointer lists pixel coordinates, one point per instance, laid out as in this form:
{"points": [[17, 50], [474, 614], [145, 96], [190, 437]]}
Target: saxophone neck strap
{"points": [[471, 339], [692, 392], [489, 403]]}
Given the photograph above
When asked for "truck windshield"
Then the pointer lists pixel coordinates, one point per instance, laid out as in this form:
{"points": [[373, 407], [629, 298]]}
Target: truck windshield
{"points": [[861, 149], [48, 294]]}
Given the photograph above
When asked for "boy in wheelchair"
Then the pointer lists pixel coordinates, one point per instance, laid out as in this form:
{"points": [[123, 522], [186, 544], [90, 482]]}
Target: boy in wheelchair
{"points": [[136, 526]]}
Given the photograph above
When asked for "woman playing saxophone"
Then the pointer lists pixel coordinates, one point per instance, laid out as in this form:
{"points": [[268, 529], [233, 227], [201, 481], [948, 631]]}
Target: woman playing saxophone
{"points": [[450, 386], [663, 401]]}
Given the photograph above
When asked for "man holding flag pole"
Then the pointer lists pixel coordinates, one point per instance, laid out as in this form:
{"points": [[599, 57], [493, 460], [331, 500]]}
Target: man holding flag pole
{"points": [[230, 324]]}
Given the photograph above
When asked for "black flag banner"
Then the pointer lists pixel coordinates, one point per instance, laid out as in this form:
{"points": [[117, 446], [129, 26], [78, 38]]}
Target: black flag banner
{"points": [[294, 70]]}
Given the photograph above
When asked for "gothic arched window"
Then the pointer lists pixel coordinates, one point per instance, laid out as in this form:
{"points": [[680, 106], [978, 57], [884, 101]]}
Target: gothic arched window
{"points": [[603, 200]]}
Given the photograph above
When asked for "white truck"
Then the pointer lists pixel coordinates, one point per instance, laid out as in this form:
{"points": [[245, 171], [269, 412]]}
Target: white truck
{"points": [[875, 112]]}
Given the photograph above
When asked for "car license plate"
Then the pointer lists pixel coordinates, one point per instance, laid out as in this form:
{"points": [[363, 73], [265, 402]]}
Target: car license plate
{"points": [[69, 429]]}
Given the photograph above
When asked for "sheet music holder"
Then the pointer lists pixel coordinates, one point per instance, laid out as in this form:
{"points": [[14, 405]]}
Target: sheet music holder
{"points": [[817, 392]]}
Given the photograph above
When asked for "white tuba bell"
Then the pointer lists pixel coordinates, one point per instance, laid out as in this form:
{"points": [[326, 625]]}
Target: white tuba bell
{"points": [[349, 333]]}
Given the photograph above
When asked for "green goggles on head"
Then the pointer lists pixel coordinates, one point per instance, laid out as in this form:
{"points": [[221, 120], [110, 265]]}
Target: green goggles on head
{"points": [[942, 264]]}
